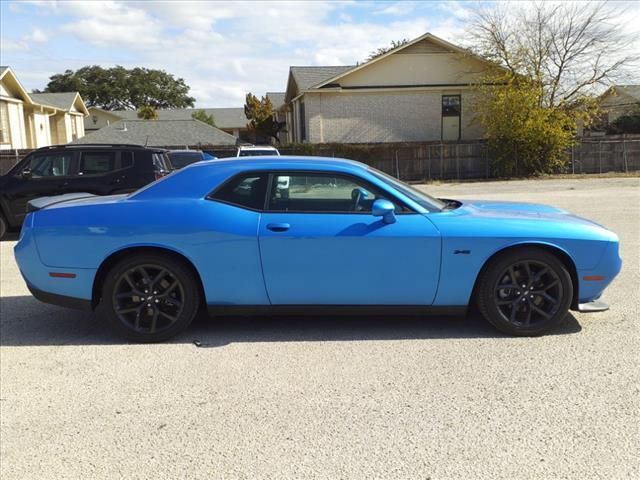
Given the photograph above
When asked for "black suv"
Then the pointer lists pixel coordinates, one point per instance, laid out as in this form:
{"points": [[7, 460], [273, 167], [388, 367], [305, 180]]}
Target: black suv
{"points": [[96, 169]]}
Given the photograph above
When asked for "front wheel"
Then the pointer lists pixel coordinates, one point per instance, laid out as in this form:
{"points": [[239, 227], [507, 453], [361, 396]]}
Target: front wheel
{"points": [[150, 297], [525, 292]]}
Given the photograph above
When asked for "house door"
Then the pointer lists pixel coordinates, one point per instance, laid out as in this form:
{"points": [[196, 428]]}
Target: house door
{"points": [[451, 108]]}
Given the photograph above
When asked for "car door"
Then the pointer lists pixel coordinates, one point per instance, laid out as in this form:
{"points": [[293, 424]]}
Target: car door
{"points": [[102, 172], [43, 175], [321, 245]]}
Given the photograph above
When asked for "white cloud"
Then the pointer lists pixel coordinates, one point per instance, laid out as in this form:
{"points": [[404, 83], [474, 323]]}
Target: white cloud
{"points": [[37, 35], [11, 45], [399, 9], [225, 49]]}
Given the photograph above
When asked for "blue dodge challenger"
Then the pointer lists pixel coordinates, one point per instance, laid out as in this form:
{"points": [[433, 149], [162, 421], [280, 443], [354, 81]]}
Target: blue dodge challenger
{"points": [[307, 234]]}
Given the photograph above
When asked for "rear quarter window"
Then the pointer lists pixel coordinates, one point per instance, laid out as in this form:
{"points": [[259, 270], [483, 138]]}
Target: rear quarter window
{"points": [[245, 191]]}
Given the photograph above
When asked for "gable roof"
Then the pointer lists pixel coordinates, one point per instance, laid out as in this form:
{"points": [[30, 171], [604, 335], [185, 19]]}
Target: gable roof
{"points": [[308, 77], [61, 100], [229, 118], [159, 133], [7, 72], [277, 99], [443, 44], [632, 91]]}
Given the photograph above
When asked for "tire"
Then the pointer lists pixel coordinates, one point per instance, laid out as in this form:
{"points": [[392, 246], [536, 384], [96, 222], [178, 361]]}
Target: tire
{"points": [[536, 292], [150, 297], [3, 226]]}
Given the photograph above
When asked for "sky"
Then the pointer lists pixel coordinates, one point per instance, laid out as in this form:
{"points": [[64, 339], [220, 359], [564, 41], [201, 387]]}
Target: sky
{"points": [[221, 49]]}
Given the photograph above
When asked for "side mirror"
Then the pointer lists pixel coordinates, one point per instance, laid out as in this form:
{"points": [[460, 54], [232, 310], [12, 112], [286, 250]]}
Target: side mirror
{"points": [[26, 173], [385, 209]]}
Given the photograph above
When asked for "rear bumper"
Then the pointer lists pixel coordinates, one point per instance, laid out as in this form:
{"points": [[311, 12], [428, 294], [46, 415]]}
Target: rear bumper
{"points": [[61, 300]]}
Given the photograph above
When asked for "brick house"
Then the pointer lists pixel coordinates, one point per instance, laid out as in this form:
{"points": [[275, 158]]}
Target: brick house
{"points": [[421, 91]]}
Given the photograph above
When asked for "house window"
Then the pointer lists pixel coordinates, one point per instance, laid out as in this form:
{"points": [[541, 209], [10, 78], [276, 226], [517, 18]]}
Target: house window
{"points": [[5, 133], [303, 126], [451, 105], [450, 120], [74, 128]]}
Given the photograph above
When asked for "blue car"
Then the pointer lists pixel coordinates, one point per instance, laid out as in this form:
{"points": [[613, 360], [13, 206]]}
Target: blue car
{"points": [[336, 236]]}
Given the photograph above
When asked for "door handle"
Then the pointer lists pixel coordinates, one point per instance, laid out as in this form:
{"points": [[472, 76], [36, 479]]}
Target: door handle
{"points": [[278, 227]]}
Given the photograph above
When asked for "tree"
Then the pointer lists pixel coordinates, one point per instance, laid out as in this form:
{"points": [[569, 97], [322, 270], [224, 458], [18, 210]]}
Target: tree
{"points": [[548, 60], [627, 123], [568, 48], [260, 115], [203, 117], [147, 112], [383, 50], [119, 88], [524, 137]]}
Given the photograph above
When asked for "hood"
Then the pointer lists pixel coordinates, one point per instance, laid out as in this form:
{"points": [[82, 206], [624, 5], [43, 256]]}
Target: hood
{"points": [[483, 218], [492, 209]]}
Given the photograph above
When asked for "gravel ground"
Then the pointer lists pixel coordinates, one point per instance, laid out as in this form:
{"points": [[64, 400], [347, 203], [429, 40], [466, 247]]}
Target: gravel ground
{"points": [[333, 397]]}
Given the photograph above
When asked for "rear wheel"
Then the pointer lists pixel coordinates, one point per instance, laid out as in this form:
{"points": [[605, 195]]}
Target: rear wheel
{"points": [[150, 297], [525, 292]]}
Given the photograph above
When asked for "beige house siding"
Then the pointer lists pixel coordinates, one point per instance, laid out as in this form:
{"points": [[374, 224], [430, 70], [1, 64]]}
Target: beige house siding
{"points": [[97, 119], [374, 117], [397, 97], [17, 133], [38, 120], [618, 104], [417, 69]]}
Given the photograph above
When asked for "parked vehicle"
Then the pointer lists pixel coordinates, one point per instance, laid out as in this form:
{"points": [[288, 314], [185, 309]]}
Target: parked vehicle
{"points": [[96, 169], [182, 158], [346, 238], [256, 151]]}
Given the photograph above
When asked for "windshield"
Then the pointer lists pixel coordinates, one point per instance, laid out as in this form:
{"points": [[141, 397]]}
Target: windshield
{"points": [[182, 159], [418, 196]]}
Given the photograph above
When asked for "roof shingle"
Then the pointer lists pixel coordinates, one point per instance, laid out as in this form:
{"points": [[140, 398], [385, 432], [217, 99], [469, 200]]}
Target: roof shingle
{"points": [[159, 133], [229, 118], [308, 77], [63, 100]]}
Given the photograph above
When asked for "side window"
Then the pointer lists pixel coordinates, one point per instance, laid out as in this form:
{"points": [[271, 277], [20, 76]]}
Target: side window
{"points": [[246, 191], [50, 165], [320, 193], [126, 159], [96, 163]]}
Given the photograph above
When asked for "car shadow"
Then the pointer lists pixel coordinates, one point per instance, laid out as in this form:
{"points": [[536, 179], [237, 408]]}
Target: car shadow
{"points": [[10, 237], [26, 322]]}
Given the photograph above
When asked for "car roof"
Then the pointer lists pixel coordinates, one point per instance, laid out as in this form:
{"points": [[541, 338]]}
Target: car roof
{"points": [[257, 147], [283, 162], [89, 146]]}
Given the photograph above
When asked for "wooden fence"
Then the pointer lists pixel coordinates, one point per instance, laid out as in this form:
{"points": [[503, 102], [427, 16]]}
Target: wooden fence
{"points": [[439, 160]]}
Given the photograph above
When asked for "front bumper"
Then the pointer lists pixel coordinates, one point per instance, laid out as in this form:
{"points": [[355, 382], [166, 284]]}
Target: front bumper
{"points": [[593, 306]]}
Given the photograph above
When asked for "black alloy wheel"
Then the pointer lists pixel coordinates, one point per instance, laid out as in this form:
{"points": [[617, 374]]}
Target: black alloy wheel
{"points": [[525, 292], [528, 292], [150, 297]]}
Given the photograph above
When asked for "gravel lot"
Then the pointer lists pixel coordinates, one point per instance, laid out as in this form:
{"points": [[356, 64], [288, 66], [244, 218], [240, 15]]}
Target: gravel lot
{"points": [[333, 397]]}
